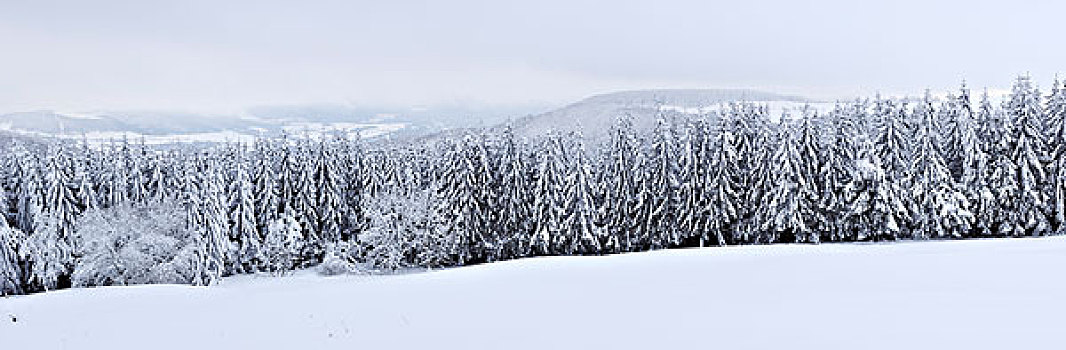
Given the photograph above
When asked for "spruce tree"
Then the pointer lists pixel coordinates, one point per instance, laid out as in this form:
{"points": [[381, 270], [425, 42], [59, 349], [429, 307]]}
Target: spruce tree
{"points": [[894, 150], [660, 189], [939, 210], [58, 198], [515, 204], [875, 209], [583, 234], [725, 203], [330, 204], [1028, 153], [620, 185], [695, 146], [548, 214], [838, 170], [1056, 117], [242, 221], [789, 206]]}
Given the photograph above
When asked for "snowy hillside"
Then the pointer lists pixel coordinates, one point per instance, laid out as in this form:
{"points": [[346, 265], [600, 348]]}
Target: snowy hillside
{"points": [[977, 294], [594, 115], [168, 127]]}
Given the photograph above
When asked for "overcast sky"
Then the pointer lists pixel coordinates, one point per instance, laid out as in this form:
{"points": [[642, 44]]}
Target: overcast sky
{"points": [[229, 55]]}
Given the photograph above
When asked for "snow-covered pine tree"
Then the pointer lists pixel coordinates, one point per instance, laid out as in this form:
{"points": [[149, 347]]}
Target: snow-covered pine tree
{"points": [[305, 203], [788, 207], [583, 234], [59, 212], [113, 186], [1056, 117], [692, 210], [620, 185], [51, 256], [12, 241], [30, 196], [242, 220], [875, 208], [754, 146], [85, 188], [138, 181], [266, 199], [958, 140], [724, 203], [351, 157], [486, 162], [515, 204], [998, 211], [549, 217], [972, 180], [59, 202], [809, 145], [660, 195], [463, 199], [1028, 153], [5, 203], [213, 221], [377, 168], [838, 170], [894, 151], [330, 203], [940, 211], [288, 173]]}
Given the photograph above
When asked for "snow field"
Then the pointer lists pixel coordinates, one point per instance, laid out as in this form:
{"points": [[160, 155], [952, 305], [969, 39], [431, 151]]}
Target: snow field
{"points": [[975, 294]]}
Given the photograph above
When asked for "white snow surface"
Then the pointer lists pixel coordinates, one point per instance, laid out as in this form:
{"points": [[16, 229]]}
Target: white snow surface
{"points": [[977, 294]]}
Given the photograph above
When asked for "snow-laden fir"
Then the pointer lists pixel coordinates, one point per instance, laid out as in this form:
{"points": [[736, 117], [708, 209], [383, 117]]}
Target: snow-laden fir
{"points": [[971, 294], [868, 170]]}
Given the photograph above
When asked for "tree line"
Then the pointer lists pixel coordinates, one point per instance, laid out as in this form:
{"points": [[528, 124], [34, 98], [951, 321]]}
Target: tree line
{"points": [[867, 170]]}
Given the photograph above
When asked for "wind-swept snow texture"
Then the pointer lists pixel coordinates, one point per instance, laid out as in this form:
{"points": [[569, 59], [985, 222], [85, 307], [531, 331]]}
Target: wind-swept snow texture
{"points": [[978, 294]]}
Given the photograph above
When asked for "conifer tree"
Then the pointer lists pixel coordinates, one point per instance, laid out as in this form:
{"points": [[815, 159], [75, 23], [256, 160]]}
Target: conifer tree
{"points": [[620, 184], [548, 216], [583, 233], [790, 204], [59, 215], [1056, 117], [939, 210], [515, 204], [894, 151], [725, 204], [267, 201], [838, 170], [660, 189], [242, 221], [1028, 153], [329, 204], [212, 222], [875, 208], [694, 148], [30, 196]]}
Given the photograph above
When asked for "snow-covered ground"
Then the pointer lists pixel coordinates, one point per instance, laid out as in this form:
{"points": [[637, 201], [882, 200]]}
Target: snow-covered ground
{"points": [[979, 294]]}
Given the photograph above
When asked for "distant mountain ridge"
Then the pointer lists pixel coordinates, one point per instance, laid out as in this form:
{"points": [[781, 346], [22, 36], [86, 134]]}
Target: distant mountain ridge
{"points": [[593, 116], [174, 126]]}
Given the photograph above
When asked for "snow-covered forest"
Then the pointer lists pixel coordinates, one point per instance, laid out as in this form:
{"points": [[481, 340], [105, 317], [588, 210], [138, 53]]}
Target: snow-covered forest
{"points": [[121, 213]]}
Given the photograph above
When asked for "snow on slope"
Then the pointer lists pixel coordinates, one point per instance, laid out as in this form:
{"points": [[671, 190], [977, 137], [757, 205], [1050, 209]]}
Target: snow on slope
{"points": [[980, 294], [595, 115]]}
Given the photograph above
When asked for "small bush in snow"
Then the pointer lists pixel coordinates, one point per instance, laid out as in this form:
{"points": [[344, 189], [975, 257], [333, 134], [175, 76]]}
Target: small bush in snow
{"points": [[401, 233], [126, 245], [283, 244], [338, 260]]}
